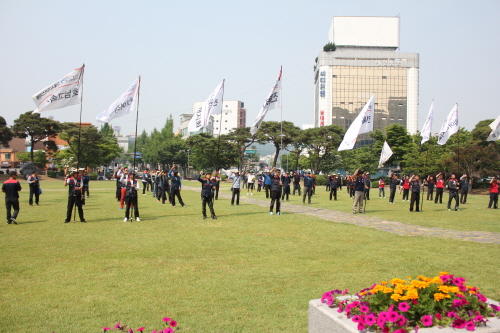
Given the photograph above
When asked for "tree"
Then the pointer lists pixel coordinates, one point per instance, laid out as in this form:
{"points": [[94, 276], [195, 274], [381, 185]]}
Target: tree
{"points": [[329, 47], [365, 158], [322, 140], [208, 154], [40, 158], [270, 131], [6, 134], [299, 143], [38, 129], [241, 138], [397, 138]]}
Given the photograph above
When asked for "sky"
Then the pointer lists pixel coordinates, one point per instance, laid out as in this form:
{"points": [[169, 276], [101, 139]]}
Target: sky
{"points": [[183, 49]]}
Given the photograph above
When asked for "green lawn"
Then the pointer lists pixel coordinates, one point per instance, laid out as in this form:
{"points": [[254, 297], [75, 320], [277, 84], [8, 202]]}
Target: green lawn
{"points": [[245, 272]]}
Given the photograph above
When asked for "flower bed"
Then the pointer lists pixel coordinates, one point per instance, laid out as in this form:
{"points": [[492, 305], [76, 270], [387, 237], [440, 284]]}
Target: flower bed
{"points": [[401, 306]]}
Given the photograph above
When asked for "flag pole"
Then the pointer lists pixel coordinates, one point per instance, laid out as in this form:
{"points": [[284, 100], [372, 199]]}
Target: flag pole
{"points": [[220, 129], [136, 120], [79, 140], [281, 113], [425, 174]]}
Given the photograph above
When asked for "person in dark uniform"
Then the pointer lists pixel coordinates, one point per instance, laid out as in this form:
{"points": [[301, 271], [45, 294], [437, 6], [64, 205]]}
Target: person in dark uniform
{"points": [[296, 182], [175, 186], [74, 195], [217, 180], [334, 185], [453, 187], [86, 183], [146, 181], [132, 187], [165, 188], [368, 183], [327, 185], [340, 179], [11, 188], [359, 191], [285, 180], [415, 185], [34, 182], [118, 184], [430, 187], [308, 187], [393, 184], [207, 194], [406, 188], [275, 192], [464, 189], [439, 188]]}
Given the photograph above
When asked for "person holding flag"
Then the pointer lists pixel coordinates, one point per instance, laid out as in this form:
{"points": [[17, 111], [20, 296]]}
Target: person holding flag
{"points": [[74, 195], [276, 185], [131, 187], [207, 194]]}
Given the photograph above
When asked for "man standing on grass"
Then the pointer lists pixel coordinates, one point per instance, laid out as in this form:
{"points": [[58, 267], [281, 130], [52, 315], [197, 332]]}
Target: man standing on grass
{"points": [[493, 193], [415, 186], [34, 182], [393, 184], [439, 188], [275, 194], [235, 188], [11, 189], [359, 191], [296, 182], [74, 195], [285, 180], [207, 192], [175, 186], [464, 189], [453, 187], [250, 183], [334, 184], [217, 179], [146, 179], [308, 187], [131, 187]]}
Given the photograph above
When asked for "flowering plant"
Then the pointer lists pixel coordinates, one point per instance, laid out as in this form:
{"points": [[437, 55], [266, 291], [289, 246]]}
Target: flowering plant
{"points": [[170, 327], [400, 305]]}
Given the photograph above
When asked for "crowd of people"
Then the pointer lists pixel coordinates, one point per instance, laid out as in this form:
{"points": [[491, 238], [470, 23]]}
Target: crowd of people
{"points": [[165, 187]]}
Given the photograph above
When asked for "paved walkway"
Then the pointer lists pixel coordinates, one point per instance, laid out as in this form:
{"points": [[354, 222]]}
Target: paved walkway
{"points": [[363, 220]]}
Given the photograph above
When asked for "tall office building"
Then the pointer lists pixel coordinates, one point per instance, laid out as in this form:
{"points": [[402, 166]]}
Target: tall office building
{"points": [[365, 62]]}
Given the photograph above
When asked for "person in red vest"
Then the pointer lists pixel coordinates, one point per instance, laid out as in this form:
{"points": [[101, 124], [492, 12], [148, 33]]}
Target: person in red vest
{"points": [[439, 188], [406, 188], [493, 193], [11, 189]]}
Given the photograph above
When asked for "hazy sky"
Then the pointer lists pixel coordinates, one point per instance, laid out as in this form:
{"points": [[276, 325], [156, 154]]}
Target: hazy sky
{"points": [[183, 49]]}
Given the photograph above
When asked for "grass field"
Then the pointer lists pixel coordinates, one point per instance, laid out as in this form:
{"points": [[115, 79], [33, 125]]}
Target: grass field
{"points": [[244, 272]]}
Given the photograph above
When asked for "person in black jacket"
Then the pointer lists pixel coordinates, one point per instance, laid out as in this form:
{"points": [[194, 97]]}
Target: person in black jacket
{"points": [[308, 187], [296, 182], [285, 180], [393, 184], [74, 195], [131, 188], [11, 188], [453, 187], [34, 182], [175, 187], [334, 185], [415, 186], [464, 189], [275, 193], [207, 193]]}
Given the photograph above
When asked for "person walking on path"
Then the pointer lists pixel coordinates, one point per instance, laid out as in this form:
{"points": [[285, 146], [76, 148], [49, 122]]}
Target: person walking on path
{"points": [[207, 193], [74, 195], [235, 188], [464, 189], [393, 184], [34, 182], [453, 187], [276, 185], [493, 193], [165, 188], [439, 188], [175, 186], [359, 192], [11, 188], [132, 187], [415, 185], [430, 188], [308, 187], [381, 188]]}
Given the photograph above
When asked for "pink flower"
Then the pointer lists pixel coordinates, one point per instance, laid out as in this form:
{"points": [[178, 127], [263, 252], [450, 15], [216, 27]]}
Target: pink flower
{"points": [[482, 298], [427, 320], [458, 323], [370, 319], [401, 330], [340, 309], [141, 329], [361, 326], [166, 319], [383, 315], [416, 329], [117, 326], [450, 314], [130, 330], [470, 326], [381, 322], [438, 316], [356, 319], [403, 307], [393, 316], [345, 292], [364, 308], [153, 331], [173, 323], [168, 330], [444, 278], [414, 301], [106, 328], [478, 318], [401, 321]]}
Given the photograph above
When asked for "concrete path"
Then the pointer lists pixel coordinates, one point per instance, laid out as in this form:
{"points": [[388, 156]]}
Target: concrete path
{"points": [[363, 220]]}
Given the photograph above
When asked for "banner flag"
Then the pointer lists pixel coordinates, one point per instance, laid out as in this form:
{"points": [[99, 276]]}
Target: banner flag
{"points": [[495, 133], [385, 154], [65, 92], [126, 102], [426, 130], [273, 101], [450, 126], [212, 105], [362, 124]]}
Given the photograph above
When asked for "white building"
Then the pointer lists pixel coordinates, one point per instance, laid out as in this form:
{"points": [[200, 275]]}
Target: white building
{"points": [[233, 116], [364, 63]]}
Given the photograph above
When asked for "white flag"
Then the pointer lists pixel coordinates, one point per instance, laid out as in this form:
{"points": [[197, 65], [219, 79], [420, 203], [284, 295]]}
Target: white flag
{"points": [[212, 105], [385, 154], [449, 127], [273, 101], [495, 133], [126, 102], [362, 124], [65, 92], [426, 130]]}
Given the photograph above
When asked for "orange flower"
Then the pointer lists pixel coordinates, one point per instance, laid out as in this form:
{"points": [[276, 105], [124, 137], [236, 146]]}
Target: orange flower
{"points": [[396, 297], [439, 296]]}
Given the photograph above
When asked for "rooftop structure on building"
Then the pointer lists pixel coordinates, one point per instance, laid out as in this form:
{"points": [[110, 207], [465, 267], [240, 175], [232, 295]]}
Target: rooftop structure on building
{"points": [[366, 62]]}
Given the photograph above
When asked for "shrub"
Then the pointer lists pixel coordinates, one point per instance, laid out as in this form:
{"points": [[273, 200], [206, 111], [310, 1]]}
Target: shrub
{"points": [[51, 174]]}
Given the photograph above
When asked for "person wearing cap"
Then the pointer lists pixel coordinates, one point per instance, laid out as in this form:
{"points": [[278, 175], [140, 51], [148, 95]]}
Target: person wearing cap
{"points": [[464, 189], [175, 186], [381, 188], [235, 187], [146, 180], [439, 188], [308, 187], [359, 192], [250, 182], [415, 185], [11, 188], [368, 183], [207, 192], [334, 184], [34, 182], [296, 182], [275, 192], [285, 180], [453, 187], [493, 193], [131, 187], [74, 195]]}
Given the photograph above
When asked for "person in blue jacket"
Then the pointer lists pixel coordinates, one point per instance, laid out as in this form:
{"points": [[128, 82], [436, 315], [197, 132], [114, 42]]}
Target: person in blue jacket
{"points": [[175, 186], [267, 183], [308, 187], [208, 186]]}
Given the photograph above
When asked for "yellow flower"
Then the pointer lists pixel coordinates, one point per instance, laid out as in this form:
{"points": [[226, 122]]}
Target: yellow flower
{"points": [[443, 273], [387, 290], [384, 283], [444, 289], [436, 279], [396, 297], [423, 278], [399, 289], [398, 281], [439, 296], [376, 289], [419, 284]]}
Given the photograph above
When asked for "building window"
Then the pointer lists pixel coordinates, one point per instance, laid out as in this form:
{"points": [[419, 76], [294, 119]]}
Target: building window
{"points": [[217, 121], [334, 75], [226, 121], [7, 156], [384, 77]]}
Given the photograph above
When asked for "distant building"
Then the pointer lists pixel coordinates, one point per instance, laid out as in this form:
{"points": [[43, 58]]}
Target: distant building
{"points": [[233, 116], [364, 63]]}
